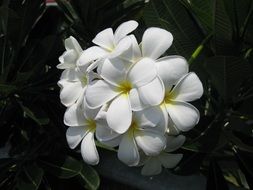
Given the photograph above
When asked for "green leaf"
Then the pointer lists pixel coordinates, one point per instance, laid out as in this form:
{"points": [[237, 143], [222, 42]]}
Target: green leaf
{"points": [[244, 160], [28, 112], [62, 167], [32, 178], [174, 17], [223, 30], [224, 72], [216, 180], [203, 11], [89, 178]]}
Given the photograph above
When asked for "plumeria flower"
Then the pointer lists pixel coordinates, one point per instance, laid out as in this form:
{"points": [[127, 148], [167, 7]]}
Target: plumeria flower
{"points": [[183, 115], [155, 42], [108, 44], [147, 132], [153, 164], [69, 58], [121, 86], [83, 124], [73, 84]]}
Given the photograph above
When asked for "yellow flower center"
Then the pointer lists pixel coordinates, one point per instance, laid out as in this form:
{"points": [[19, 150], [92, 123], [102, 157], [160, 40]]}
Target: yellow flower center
{"points": [[91, 124], [124, 87], [84, 80]]}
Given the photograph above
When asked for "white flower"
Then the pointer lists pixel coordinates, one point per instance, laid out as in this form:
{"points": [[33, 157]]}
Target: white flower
{"points": [[84, 123], [155, 42], [69, 58], [182, 114], [153, 164], [121, 86], [147, 132], [109, 44]]}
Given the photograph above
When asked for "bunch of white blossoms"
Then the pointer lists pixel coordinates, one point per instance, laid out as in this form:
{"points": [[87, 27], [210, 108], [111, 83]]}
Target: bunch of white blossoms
{"points": [[123, 94]]}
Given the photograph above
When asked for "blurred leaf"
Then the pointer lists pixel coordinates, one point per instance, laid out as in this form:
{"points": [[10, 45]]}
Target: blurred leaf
{"points": [[89, 178], [32, 178], [238, 142], [203, 11], [216, 180], [173, 16], [31, 114], [190, 163], [223, 30], [244, 160], [62, 167], [224, 71]]}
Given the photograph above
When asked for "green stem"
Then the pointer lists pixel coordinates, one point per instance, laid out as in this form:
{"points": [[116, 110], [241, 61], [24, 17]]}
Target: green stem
{"points": [[199, 49]]}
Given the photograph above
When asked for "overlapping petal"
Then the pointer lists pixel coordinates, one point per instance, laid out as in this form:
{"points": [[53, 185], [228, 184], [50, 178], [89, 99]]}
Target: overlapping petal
{"points": [[184, 115], [105, 39], [74, 135], [155, 42], [128, 151], [89, 150], [119, 114], [171, 69], [99, 92], [189, 88], [124, 29], [151, 142], [67, 96], [152, 94]]}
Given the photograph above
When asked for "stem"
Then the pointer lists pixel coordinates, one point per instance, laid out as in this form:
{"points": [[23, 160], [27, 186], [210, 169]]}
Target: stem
{"points": [[199, 49]]}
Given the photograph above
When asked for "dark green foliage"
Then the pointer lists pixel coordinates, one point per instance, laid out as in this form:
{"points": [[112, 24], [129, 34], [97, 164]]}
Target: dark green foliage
{"points": [[214, 37]]}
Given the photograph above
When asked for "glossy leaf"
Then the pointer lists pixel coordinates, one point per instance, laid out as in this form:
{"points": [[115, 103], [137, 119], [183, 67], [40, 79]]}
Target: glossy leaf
{"points": [[32, 178], [89, 178], [216, 180], [62, 167], [224, 71]]}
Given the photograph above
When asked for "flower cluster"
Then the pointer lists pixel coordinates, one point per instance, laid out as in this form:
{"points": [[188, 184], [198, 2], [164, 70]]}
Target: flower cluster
{"points": [[123, 94]]}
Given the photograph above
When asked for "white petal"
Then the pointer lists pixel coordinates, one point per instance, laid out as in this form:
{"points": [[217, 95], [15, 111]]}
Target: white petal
{"points": [[152, 94], [67, 96], [174, 142], [67, 60], [170, 160], [113, 142], [99, 92], [105, 39], [151, 167], [133, 54], [185, 116], [151, 142], [88, 112], [124, 29], [74, 135], [155, 42], [171, 69], [71, 43], [74, 116], [189, 88], [162, 126], [70, 75], [91, 54], [89, 150], [142, 72], [149, 117], [119, 114], [113, 71], [128, 151], [135, 100], [103, 132], [121, 47]]}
